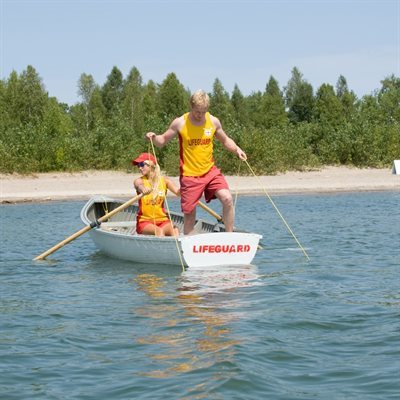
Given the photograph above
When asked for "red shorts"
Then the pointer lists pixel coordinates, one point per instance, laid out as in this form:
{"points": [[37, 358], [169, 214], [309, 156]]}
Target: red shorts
{"points": [[192, 188], [140, 225]]}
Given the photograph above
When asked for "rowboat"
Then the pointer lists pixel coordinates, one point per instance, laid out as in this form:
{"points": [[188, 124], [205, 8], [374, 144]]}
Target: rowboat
{"points": [[209, 245]]}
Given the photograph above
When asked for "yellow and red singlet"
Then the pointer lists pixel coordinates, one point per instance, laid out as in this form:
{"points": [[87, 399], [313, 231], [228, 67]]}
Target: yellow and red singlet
{"points": [[196, 147], [153, 209]]}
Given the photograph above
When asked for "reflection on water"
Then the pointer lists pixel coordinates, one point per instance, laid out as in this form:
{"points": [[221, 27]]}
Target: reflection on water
{"points": [[194, 322], [82, 325], [203, 280]]}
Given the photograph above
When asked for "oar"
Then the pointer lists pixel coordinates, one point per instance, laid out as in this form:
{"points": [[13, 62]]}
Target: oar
{"points": [[88, 227], [210, 211], [215, 215]]}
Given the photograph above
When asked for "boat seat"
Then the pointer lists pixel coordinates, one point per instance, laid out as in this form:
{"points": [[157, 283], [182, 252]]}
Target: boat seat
{"points": [[118, 224], [198, 227]]}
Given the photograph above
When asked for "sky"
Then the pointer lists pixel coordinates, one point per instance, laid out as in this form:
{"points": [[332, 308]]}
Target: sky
{"points": [[239, 42]]}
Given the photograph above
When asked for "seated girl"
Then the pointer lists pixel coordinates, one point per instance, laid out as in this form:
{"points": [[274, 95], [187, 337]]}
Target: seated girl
{"points": [[152, 218]]}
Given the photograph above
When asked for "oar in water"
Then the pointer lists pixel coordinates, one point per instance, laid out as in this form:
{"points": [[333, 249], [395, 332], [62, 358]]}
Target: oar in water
{"points": [[215, 215], [88, 227]]}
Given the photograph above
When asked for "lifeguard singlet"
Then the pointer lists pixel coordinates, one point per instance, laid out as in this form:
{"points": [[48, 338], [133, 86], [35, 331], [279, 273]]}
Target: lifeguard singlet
{"points": [[153, 210], [196, 147]]}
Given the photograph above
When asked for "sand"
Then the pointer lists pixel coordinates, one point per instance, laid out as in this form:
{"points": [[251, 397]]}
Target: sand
{"points": [[81, 186]]}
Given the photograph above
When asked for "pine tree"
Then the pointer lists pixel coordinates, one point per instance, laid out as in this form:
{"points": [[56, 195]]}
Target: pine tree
{"points": [[299, 98], [273, 105]]}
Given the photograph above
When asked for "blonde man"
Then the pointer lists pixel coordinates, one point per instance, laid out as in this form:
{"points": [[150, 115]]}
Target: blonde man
{"points": [[198, 172]]}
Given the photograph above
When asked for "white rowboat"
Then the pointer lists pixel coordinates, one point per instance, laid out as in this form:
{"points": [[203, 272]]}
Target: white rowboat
{"points": [[210, 245]]}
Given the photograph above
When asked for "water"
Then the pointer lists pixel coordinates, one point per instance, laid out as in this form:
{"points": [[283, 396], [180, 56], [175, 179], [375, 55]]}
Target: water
{"points": [[84, 326]]}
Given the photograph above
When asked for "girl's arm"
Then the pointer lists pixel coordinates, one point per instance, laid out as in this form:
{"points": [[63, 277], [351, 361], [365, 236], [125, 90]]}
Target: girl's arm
{"points": [[140, 188], [172, 187]]}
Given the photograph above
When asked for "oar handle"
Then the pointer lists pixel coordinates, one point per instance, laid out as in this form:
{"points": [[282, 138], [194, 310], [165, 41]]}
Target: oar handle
{"points": [[210, 211], [120, 208], [88, 227]]}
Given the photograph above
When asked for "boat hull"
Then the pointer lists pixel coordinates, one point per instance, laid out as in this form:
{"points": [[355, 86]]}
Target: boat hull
{"points": [[210, 246], [137, 248], [220, 248]]}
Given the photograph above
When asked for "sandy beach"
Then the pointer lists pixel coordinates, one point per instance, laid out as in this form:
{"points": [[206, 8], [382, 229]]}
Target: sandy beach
{"points": [[62, 186]]}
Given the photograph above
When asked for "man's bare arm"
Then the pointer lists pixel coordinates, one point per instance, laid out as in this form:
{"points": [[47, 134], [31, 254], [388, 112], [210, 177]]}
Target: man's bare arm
{"points": [[170, 133], [226, 141]]}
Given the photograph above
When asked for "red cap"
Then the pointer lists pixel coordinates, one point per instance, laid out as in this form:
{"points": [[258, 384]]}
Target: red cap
{"points": [[144, 157]]}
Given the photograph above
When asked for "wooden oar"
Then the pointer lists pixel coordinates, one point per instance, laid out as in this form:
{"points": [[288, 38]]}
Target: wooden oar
{"points": [[215, 215], [88, 227], [210, 211]]}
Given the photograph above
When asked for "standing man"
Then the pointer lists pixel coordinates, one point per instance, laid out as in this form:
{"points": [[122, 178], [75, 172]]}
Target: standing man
{"points": [[198, 173]]}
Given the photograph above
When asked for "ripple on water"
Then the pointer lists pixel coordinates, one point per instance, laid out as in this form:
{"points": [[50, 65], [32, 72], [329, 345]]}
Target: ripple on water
{"points": [[84, 326]]}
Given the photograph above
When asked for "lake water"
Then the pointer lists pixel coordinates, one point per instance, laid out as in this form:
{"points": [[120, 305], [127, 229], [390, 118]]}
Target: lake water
{"points": [[83, 326]]}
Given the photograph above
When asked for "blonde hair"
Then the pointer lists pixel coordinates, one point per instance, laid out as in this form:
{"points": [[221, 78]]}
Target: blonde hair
{"points": [[154, 177], [199, 98]]}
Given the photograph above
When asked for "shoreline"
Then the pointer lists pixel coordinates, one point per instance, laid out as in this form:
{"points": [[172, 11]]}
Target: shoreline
{"points": [[57, 186]]}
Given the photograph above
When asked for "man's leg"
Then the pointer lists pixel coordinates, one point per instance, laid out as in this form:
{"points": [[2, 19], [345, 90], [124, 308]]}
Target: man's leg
{"points": [[188, 222], [228, 213]]}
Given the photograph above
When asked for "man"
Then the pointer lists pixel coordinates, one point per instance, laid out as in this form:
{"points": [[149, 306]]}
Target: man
{"points": [[198, 173]]}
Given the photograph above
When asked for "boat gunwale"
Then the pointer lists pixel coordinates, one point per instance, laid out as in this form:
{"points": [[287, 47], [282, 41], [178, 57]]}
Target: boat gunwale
{"points": [[133, 235]]}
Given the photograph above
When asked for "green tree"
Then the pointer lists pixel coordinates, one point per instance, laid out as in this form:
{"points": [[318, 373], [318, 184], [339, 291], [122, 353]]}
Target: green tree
{"points": [[97, 110], [86, 87], [299, 98], [389, 99], [4, 116], [173, 98], [254, 102], [33, 96], [25, 97], [328, 109], [346, 97], [132, 107], [273, 105], [112, 93], [11, 101], [240, 112], [52, 145], [220, 104], [150, 95]]}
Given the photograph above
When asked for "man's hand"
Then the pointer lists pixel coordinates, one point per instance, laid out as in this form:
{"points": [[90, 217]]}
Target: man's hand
{"points": [[150, 135], [241, 154]]}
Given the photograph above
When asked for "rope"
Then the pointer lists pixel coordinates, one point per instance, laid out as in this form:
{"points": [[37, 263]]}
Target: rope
{"points": [[169, 213], [104, 205], [279, 213], [236, 190]]}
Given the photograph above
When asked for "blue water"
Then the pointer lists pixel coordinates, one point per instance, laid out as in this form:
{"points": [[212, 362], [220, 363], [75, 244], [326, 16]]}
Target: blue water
{"points": [[84, 326]]}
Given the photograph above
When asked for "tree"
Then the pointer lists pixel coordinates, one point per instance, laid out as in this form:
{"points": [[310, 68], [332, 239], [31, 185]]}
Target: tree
{"points": [[97, 111], [111, 92], [31, 96], [273, 105], [10, 101], [346, 97], [238, 102], [299, 98], [3, 104], [150, 95], [389, 99], [132, 103], [328, 109], [86, 87], [220, 104], [253, 103], [173, 98]]}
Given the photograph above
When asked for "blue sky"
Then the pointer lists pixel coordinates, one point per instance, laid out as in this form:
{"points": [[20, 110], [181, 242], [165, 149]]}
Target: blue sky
{"points": [[239, 42]]}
